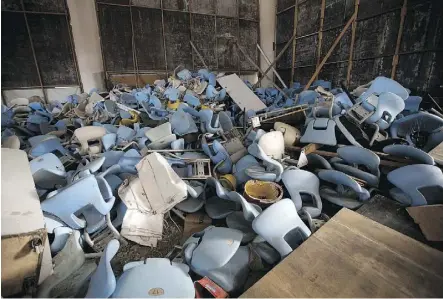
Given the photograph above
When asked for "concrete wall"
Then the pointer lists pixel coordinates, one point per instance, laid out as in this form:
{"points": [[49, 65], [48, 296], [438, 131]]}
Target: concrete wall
{"points": [[267, 34], [87, 43]]}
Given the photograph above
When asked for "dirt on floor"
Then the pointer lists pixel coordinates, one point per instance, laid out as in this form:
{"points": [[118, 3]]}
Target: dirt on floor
{"points": [[172, 233]]}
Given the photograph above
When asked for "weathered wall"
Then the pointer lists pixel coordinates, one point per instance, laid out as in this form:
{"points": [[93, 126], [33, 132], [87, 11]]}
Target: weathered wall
{"points": [[142, 36], [377, 27]]}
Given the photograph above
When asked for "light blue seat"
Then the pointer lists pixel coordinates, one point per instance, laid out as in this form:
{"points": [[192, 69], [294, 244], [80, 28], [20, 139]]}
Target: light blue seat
{"points": [[417, 185], [347, 192]]}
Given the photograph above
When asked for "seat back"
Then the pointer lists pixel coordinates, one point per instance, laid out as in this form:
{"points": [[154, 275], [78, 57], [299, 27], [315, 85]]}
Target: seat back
{"points": [[286, 233], [103, 283]]}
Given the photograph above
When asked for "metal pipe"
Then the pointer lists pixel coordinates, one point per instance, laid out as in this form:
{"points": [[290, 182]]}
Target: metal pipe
{"points": [[273, 69]]}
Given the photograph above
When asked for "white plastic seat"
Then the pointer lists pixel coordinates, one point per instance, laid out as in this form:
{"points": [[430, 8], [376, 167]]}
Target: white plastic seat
{"points": [[287, 233]]}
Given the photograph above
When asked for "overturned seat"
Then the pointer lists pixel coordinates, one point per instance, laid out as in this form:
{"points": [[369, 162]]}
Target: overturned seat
{"points": [[417, 185], [358, 162], [229, 267], [342, 190]]}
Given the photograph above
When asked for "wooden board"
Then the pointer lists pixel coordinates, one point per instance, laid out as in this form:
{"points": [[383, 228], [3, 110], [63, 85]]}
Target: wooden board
{"points": [[430, 219], [437, 154], [240, 93], [352, 256]]}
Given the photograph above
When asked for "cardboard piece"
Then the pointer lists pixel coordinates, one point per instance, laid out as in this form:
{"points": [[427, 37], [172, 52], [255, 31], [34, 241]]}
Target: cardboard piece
{"points": [[430, 220]]}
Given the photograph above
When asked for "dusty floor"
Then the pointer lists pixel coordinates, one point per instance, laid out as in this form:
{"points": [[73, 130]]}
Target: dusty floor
{"points": [[172, 233]]}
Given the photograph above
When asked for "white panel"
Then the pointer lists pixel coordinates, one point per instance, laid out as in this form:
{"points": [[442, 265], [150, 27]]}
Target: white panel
{"points": [[240, 93], [21, 93], [61, 93]]}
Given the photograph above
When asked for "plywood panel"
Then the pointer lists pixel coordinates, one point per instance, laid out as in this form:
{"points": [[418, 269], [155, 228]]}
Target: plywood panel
{"points": [[305, 50], [124, 2], [285, 62], [115, 32], [50, 36], [248, 9], [334, 72], [303, 74], [11, 4], [341, 52], [413, 70], [415, 28], [334, 13], [176, 4], [352, 256], [226, 51], [283, 4], [18, 67], [177, 37], [309, 17], [248, 40], [285, 26], [45, 5], [227, 8], [377, 36], [204, 39], [148, 35], [203, 6], [147, 3]]}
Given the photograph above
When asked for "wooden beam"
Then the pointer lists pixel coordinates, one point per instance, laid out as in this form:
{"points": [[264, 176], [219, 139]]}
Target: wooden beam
{"points": [[351, 47], [198, 54], [396, 164], [273, 69], [320, 31], [260, 77], [399, 35], [294, 43], [337, 40]]}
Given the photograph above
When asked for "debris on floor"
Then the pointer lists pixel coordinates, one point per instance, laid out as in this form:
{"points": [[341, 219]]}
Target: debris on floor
{"points": [[236, 177]]}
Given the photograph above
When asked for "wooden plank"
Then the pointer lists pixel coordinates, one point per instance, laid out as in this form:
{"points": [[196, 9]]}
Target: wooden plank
{"points": [[351, 47], [430, 219], [320, 31], [437, 154], [353, 256], [294, 43], [337, 40], [240, 93], [399, 35]]}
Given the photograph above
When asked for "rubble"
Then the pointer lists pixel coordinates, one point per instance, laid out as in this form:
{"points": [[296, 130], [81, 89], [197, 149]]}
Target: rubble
{"points": [[113, 165]]}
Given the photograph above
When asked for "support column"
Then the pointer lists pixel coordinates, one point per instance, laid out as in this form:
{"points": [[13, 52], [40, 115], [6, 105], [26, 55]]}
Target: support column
{"points": [[86, 38], [267, 35]]}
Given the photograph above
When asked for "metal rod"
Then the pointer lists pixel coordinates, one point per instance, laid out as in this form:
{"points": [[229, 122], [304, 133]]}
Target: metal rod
{"points": [[259, 69], [198, 54], [33, 53], [273, 69], [275, 61], [337, 40], [399, 35], [351, 47], [320, 32], [294, 43]]}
